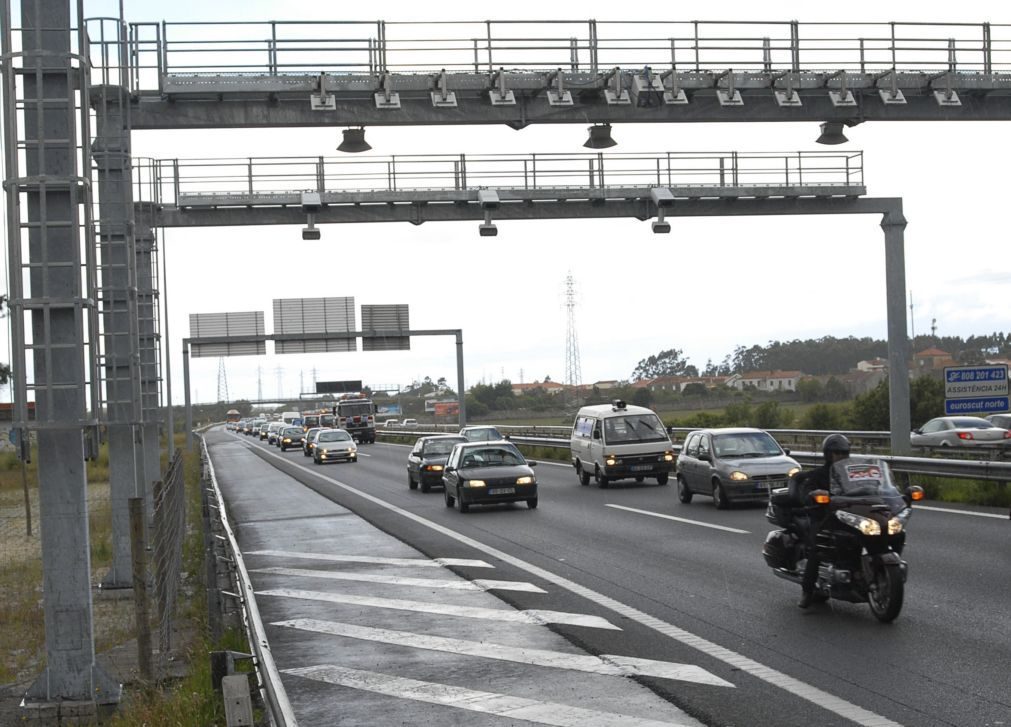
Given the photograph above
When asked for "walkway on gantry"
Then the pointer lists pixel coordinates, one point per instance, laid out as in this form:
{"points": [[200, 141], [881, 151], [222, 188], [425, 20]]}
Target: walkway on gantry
{"points": [[277, 190]]}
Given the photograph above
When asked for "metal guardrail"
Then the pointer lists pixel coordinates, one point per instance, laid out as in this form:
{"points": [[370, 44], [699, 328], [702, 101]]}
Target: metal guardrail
{"points": [[281, 180], [961, 468], [274, 695]]}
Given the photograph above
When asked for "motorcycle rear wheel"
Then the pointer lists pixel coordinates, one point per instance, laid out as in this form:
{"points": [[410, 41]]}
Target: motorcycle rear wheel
{"points": [[885, 593]]}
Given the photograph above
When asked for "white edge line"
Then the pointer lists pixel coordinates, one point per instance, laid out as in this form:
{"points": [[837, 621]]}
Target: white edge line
{"points": [[791, 685], [680, 519]]}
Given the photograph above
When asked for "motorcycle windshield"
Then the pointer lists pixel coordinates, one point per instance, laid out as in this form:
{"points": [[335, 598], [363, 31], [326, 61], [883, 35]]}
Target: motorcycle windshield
{"points": [[862, 478]]}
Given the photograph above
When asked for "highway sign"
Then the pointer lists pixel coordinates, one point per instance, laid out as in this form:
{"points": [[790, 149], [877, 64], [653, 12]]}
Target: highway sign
{"points": [[975, 389]]}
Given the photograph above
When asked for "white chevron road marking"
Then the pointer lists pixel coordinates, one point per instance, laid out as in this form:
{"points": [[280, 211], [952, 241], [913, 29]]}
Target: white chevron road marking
{"points": [[505, 615], [609, 665], [501, 705], [418, 562], [478, 584]]}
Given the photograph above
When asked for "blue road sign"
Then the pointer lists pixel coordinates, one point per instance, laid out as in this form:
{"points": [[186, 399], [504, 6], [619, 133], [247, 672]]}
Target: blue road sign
{"points": [[977, 405]]}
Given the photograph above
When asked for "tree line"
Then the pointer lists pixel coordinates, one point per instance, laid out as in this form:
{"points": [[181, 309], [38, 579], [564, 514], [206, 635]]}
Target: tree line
{"points": [[819, 356]]}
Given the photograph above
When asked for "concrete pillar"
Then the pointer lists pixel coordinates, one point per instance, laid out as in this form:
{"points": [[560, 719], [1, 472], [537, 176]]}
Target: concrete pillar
{"points": [[894, 225], [54, 214]]}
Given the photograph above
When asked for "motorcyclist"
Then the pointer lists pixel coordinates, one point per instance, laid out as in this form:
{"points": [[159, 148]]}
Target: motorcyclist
{"points": [[834, 448]]}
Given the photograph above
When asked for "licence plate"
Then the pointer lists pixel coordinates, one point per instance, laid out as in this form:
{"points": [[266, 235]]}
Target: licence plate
{"points": [[642, 467], [501, 490]]}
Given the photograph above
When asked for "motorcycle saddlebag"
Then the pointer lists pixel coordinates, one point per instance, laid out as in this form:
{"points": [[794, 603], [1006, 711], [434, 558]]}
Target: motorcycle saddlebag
{"points": [[779, 551]]}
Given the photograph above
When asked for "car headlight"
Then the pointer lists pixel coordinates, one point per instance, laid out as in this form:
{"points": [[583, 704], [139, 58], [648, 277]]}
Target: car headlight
{"points": [[433, 467], [738, 476], [527, 480], [610, 460], [475, 483], [793, 471], [668, 456], [864, 524], [287, 441], [324, 451]]}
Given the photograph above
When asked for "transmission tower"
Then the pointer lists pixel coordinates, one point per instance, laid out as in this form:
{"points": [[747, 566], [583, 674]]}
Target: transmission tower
{"points": [[573, 371], [279, 372], [259, 383], [222, 381]]}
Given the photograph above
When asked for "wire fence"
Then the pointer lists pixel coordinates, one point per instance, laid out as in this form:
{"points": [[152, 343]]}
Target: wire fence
{"points": [[114, 622], [168, 533]]}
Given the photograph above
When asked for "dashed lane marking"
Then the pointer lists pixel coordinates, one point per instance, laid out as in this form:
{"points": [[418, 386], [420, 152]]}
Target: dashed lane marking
{"points": [[501, 705], [536, 617], [478, 584], [605, 664], [420, 562], [960, 512], [680, 519]]}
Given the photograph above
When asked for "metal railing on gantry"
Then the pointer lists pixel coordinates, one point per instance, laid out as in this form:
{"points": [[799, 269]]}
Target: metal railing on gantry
{"points": [[278, 180], [291, 48]]}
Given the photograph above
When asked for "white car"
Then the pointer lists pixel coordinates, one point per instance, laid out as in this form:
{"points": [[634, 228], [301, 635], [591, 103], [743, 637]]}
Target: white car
{"points": [[334, 445], [958, 431], [409, 423]]}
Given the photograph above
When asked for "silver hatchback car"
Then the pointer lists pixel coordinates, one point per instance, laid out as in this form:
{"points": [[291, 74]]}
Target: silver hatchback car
{"points": [[732, 465]]}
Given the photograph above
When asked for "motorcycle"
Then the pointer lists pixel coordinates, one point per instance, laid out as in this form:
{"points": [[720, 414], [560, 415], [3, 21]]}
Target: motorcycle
{"points": [[861, 525]]}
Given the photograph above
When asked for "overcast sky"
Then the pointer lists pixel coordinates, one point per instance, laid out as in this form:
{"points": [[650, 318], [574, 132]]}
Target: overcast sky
{"points": [[708, 286]]}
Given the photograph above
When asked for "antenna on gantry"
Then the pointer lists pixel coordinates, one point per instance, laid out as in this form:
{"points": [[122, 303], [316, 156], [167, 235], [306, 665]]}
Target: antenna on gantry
{"points": [[573, 371]]}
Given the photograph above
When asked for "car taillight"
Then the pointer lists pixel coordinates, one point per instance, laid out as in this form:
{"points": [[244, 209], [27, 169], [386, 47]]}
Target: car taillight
{"points": [[965, 435], [1007, 434]]}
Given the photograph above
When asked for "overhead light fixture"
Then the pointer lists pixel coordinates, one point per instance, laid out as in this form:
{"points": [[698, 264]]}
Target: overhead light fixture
{"points": [[832, 133], [600, 137], [354, 141]]}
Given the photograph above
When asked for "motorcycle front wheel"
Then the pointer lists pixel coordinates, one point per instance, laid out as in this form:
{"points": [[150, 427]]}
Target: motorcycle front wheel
{"points": [[885, 593]]}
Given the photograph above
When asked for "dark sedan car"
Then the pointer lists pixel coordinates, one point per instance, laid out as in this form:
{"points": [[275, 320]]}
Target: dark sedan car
{"points": [[290, 438], [427, 460], [479, 473]]}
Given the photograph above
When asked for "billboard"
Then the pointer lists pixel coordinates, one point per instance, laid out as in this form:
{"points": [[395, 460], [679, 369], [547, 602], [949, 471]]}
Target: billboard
{"points": [[216, 325], [447, 408], [306, 316], [338, 387]]}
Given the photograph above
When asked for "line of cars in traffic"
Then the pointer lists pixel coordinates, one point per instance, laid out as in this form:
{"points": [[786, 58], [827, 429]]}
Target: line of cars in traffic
{"points": [[608, 443], [323, 444]]}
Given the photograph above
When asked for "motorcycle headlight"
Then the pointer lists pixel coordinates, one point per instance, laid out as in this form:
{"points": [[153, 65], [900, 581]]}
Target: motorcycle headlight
{"points": [[864, 524], [898, 523], [738, 476]]}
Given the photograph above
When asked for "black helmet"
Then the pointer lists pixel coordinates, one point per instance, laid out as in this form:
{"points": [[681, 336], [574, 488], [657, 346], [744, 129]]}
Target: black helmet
{"points": [[835, 443]]}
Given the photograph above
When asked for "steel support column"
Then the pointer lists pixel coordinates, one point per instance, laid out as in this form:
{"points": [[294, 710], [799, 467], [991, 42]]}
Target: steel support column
{"points": [[187, 404], [461, 392], [150, 347], [894, 225], [118, 301], [56, 201]]}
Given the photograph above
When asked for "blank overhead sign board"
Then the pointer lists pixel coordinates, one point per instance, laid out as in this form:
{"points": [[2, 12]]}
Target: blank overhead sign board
{"points": [[308, 316], [386, 318], [213, 325]]}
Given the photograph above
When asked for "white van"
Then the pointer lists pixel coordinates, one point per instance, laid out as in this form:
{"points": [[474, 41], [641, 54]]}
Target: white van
{"points": [[616, 441]]}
